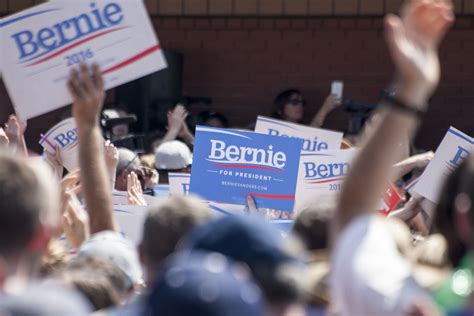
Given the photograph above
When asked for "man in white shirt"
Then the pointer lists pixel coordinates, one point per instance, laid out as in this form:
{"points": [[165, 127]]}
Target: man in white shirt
{"points": [[369, 276]]}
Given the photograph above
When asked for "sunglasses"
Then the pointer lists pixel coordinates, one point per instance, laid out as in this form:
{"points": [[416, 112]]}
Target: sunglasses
{"points": [[296, 102]]}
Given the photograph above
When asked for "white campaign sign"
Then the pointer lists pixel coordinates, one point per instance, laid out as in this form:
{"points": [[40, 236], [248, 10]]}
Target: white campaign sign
{"points": [[131, 219], [41, 45], [63, 137], [454, 147], [322, 174], [315, 139], [179, 183]]}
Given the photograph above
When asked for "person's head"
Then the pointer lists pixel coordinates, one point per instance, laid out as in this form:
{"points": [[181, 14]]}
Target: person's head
{"points": [[104, 267], [454, 217], [213, 119], [259, 245], [173, 156], [121, 251], [29, 210], [312, 223], [128, 162], [202, 283], [119, 130], [289, 105], [96, 288], [165, 225]]}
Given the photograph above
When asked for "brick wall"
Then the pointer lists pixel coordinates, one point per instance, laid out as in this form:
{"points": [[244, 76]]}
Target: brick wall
{"points": [[261, 7], [242, 62]]}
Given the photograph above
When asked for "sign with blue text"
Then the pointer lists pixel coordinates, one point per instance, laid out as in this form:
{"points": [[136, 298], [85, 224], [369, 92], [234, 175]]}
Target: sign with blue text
{"points": [[322, 174], [314, 139], [179, 183], [63, 139], [41, 45], [454, 148], [229, 165]]}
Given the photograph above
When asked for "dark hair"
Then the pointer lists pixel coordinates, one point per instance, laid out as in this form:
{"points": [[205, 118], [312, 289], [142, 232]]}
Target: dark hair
{"points": [[95, 287], [102, 266], [205, 116], [312, 224], [20, 205], [281, 100], [460, 181], [167, 224]]}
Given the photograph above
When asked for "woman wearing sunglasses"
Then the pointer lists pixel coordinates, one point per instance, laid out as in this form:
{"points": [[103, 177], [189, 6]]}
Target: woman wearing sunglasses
{"points": [[290, 105]]}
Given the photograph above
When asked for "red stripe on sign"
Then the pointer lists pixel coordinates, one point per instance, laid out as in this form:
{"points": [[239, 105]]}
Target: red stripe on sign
{"points": [[327, 181], [133, 59], [245, 167], [65, 49], [272, 196]]}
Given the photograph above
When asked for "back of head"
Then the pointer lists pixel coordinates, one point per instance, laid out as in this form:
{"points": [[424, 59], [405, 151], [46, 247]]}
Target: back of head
{"points": [[166, 224], [94, 265], [312, 223], [460, 184], [120, 250], [96, 287], [255, 242], [128, 161], [173, 155], [204, 284], [29, 200]]}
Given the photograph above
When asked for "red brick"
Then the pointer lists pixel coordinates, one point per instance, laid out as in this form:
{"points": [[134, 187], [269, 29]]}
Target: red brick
{"points": [[219, 23], [283, 23], [234, 23], [299, 23], [186, 23], [169, 23], [266, 23], [250, 23], [201, 23]]}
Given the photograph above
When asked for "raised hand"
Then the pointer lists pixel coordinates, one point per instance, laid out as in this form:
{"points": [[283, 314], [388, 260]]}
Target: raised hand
{"points": [[135, 191], [13, 129], [75, 221], [413, 41], [87, 89], [177, 118]]}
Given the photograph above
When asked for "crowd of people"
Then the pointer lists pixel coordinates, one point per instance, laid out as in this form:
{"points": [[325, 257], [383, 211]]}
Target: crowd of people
{"points": [[62, 250]]}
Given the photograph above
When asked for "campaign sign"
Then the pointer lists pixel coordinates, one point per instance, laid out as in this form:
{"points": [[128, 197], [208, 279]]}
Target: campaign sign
{"points": [[454, 148], [179, 183], [131, 219], [322, 174], [229, 165], [63, 137], [391, 199], [314, 139], [41, 45]]}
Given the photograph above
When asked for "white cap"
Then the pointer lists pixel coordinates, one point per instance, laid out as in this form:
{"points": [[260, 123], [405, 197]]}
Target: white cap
{"points": [[111, 113], [173, 155], [115, 247]]}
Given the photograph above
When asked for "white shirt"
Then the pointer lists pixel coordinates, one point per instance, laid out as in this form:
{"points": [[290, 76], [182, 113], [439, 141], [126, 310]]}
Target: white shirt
{"points": [[369, 276]]}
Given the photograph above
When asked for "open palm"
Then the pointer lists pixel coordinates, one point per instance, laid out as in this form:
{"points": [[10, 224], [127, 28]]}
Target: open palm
{"points": [[413, 41]]}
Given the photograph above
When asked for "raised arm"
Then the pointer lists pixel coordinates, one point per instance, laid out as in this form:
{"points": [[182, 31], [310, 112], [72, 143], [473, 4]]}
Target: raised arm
{"points": [[87, 89], [413, 43]]}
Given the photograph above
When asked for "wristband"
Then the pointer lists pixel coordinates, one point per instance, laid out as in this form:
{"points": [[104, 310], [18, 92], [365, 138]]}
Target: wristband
{"points": [[392, 101]]}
